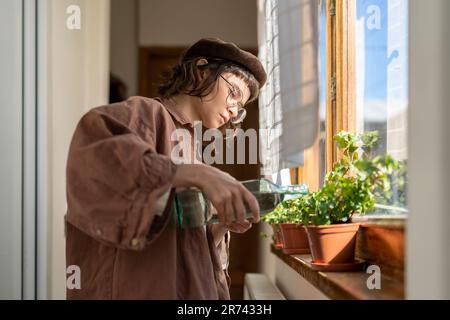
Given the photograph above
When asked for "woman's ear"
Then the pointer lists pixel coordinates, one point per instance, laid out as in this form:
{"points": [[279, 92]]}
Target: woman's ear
{"points": [[201, 62]]}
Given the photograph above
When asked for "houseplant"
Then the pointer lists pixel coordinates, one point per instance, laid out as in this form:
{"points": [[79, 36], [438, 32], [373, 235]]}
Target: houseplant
{"points": [[285, 221], [351, 187], [274, 219]]}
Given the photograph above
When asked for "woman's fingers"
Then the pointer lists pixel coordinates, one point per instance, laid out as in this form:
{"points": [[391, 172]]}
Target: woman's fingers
{"points": [[233, 203], [221, 213], [239, 206], [228, 196], [240, 227], [253, 204], [219, 205], [229, 211]]}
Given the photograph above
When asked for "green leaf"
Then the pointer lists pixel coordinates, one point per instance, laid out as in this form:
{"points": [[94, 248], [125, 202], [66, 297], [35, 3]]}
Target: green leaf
{"points": [[354, 184]]}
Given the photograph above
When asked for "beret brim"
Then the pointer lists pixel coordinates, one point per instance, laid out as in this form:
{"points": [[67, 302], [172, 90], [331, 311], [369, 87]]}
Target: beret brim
{"points": [[217, 48]]}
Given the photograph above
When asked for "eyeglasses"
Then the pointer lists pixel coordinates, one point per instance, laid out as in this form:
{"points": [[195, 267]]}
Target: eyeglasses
{"points": [[234, 99]]}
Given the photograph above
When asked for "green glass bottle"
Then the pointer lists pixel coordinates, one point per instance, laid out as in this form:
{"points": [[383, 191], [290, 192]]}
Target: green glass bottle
{"points": [[193, 209]]}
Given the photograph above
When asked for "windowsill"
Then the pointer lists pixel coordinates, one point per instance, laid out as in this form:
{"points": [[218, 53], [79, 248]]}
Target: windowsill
{"points": [[342, 285], [390, 221]]}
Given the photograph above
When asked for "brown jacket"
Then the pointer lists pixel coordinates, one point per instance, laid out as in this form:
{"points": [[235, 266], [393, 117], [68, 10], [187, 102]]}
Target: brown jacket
{"points": [[118, 166]]}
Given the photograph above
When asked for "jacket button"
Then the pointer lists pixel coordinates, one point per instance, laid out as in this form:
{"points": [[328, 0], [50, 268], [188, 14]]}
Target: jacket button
{"points": [[135, 242], [98, 232]]}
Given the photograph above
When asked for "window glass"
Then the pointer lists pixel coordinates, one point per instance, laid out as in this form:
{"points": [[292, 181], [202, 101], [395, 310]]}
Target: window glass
{"points": [[381, 80]]}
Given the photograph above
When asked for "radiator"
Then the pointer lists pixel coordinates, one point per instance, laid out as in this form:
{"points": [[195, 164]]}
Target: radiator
{"points": [[257, 286]]}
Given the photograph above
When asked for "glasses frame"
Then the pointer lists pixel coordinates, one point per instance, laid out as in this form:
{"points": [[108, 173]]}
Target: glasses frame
{"points": [[242, 112]]}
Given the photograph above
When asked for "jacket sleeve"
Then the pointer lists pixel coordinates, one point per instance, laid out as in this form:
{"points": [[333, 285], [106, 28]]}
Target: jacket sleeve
{"points": [[114, 181]]}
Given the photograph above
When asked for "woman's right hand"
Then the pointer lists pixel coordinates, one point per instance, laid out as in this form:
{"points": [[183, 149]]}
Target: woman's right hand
{"points": [[227, 194]]}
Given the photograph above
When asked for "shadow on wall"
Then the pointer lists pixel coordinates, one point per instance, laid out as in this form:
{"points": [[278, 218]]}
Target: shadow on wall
{"points": [[117, 89]]}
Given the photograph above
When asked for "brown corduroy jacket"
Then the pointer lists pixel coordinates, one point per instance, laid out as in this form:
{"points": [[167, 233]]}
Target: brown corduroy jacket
{"points": [[118, 168]]}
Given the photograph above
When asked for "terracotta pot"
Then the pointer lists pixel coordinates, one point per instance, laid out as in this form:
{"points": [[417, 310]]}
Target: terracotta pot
{"points": [[295, 240], [333, 244], [278, 238]]}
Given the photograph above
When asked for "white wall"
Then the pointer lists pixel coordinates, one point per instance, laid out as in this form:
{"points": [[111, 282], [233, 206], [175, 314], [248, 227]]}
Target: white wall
{"points": [[291, 284], [294, 286], [11, 149], [77, 71], [174, 23], [124, 42], [180, 22], [428, 236]]}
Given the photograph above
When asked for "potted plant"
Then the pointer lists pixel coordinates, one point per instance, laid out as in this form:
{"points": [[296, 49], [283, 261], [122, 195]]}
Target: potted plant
{"points": [[295, 239], [351, 187], [274, 219], [288, 223], [288, 232]]}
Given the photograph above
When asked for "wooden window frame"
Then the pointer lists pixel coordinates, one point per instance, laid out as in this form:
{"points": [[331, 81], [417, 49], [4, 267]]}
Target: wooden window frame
{"points": [[341, 108]]}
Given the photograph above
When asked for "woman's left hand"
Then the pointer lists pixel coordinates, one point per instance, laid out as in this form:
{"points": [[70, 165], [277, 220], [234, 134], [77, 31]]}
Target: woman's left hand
{"points": [[220, 229], [239, 227]]}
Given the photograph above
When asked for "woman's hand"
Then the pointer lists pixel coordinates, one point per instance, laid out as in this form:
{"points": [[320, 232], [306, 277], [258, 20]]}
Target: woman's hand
{"points": [[226, 194], [239, 227], [219, 230]]}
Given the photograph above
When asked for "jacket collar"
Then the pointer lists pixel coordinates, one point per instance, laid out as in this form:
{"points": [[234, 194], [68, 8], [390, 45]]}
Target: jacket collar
{"points": [[170, 106]]}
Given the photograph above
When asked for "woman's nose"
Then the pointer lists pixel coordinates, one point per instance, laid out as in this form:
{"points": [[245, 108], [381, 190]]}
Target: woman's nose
{"points": [[233, 111]]}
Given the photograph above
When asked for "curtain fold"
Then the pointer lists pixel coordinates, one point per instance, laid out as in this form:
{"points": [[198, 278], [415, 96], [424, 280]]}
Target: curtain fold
{"points": [[288, 37]]}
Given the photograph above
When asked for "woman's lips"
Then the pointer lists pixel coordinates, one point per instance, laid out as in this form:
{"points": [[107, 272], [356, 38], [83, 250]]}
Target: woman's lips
{"points": [[225, 119]]}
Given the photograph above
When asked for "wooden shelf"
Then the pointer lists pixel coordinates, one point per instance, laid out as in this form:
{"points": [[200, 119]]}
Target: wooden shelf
{"points": [[342, 285]]}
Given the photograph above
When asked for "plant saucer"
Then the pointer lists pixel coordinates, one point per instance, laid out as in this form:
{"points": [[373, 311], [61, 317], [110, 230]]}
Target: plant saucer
{"points": [[296, 250], [356, 265]]}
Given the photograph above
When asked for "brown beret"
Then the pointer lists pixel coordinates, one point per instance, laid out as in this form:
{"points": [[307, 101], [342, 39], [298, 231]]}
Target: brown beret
{"points": [[217, 48]]}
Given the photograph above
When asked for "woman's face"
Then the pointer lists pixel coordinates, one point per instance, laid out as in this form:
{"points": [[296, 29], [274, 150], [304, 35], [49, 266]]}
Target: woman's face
{"points": [[214, 110]]}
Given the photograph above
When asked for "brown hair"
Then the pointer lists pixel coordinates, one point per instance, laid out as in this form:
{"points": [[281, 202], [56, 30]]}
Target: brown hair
{"points": [[185, 79]]}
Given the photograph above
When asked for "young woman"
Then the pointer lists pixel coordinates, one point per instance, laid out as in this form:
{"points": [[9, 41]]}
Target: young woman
{"points": [[121, 180]]}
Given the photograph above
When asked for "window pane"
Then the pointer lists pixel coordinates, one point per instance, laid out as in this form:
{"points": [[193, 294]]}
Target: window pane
{"points": [[381, 52]]}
